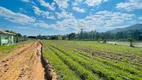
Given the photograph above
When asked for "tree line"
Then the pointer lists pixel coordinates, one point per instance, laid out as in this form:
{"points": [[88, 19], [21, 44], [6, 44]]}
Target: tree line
{"points": [[94, 35]]}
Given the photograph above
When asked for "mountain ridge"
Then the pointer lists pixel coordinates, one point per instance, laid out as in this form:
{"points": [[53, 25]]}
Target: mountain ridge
{"points": [[129, 28]]}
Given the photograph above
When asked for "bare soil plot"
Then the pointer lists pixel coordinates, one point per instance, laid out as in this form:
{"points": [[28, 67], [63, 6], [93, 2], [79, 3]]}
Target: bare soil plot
{"points": [[25, 63]]}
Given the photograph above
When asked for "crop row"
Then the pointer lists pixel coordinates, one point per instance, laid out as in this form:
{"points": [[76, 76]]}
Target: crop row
{"points": [[62, 70], [80, 70], [98, 67], [121, 65], [134, 69]]}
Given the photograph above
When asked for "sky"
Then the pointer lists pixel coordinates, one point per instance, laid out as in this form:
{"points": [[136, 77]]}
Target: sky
{"points": [[52, 17]]}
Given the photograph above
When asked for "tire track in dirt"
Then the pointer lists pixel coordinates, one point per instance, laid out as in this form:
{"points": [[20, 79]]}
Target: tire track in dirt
{"points": [[26, 63]]}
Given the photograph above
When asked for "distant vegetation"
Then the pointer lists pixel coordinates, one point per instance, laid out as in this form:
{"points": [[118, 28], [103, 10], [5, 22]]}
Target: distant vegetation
{"points": [[134, 32]]}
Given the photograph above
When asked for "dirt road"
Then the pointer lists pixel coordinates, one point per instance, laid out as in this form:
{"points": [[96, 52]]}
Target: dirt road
{"points": [[24, 63]]}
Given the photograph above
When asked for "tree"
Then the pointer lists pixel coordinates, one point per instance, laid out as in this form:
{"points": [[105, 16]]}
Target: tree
{"points": [[18, 35], [71, 36], [131, 42], [53, 37], [59, 37], [99, 39], [104, 41], [81, 35], [64, 37], [25, 37], [39, 37]]}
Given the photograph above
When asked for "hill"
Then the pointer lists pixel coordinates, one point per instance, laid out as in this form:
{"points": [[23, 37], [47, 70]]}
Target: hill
{"points": [[129, 28]]}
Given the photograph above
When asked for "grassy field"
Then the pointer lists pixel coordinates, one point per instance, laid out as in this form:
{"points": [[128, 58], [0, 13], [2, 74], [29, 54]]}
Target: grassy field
{"points": [[90, 60], [6, 50]]}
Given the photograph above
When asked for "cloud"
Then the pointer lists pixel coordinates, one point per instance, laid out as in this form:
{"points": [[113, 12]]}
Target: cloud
{"points": [[64, 15], [15, 17], [105, 0], [65, 19], [104, 19], [46, 4], [42, 24], [44, 14], [69, 23], [26, 0], [66, 23], [140, 18], [37, 11], [22, 10], [51, 17], [21, 27], [94, 2], [78, 9], [130, 5], [53, 26], [100, 20], [112, 18], [33, 3], [76, 2], [63, 4]]}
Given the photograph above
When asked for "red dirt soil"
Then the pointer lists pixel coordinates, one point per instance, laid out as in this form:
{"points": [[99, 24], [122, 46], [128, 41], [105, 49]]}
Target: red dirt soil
{"points": [[24, 63]]}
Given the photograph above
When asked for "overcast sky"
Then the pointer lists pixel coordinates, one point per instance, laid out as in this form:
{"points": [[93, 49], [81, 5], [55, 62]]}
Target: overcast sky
{"points": [[49, 17]]}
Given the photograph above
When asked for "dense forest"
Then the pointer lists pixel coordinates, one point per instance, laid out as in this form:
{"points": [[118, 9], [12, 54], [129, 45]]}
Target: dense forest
{"points": [[94, 35]]}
